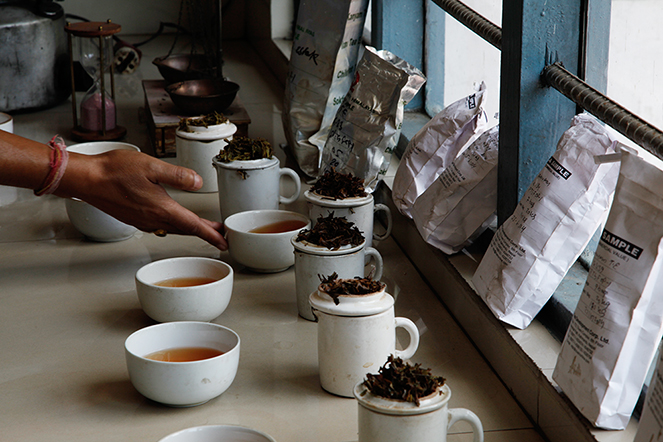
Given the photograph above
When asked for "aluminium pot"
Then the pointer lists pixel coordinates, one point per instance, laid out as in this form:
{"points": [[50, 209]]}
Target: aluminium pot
{"points": [[34, 62]]}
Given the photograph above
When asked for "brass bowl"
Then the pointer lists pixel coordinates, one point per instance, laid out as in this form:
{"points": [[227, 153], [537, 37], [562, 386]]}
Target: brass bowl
{"points": [[198, 97], [182, 67]]}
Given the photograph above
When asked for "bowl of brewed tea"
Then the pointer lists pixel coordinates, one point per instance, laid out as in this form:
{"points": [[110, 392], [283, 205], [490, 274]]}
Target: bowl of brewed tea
{"points": [[218, 433], [182, 364], [184, 288], [260, 239]]}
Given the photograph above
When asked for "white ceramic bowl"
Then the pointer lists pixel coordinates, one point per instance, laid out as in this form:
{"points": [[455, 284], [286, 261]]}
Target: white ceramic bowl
{"points": [[90, 221], [218, 433], [95, 224], [263, 252], [6, 122], [182, 384], [192, 303]]}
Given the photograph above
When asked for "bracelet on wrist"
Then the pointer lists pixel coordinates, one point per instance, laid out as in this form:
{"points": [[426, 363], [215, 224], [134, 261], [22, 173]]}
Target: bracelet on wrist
{"points": [[58, 165]]}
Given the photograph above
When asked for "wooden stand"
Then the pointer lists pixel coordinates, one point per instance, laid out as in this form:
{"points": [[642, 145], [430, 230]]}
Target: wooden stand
{"points": [[163, 117]]}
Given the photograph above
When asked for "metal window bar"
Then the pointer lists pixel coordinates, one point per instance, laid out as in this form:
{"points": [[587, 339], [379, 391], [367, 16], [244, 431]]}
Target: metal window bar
{"points": [[472, 20], [603, 108], [572, 87]]}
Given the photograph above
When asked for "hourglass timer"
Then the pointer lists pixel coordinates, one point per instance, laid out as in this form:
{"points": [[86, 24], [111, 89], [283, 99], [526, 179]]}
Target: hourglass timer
{"points": [[97, 108]]}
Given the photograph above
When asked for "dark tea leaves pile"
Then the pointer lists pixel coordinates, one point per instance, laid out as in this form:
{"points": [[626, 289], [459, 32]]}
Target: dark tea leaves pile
{"points": [[208, 120], [337, 185], [336, 287], [244, 148], [332, 232], [400, 380]]}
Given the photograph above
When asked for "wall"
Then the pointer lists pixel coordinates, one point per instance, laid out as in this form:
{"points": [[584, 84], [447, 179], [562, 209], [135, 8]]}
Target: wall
{"points": [[469, 60], [261, 32], [144, 16], [635, 59]]}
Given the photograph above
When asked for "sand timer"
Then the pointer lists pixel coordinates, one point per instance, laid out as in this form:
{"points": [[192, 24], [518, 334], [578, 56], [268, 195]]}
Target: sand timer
{"points": [[96, 117]]}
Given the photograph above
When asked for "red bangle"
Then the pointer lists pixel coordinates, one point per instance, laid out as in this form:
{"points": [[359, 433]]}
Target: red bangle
{"points": [[58, 164]]}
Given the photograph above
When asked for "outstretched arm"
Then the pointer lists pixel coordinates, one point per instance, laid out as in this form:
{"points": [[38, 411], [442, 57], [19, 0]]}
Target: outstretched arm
{"points": [[124, 184]]}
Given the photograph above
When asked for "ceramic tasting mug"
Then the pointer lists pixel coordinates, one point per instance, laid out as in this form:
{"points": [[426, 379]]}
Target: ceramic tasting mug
{"points": [[196, 149], [359, 210], [312, 260], [356, 336], [390, 420], [253, 185]]}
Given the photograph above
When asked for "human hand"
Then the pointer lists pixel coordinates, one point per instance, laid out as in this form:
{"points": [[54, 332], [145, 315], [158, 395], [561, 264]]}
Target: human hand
{"points": [[128, 186]]}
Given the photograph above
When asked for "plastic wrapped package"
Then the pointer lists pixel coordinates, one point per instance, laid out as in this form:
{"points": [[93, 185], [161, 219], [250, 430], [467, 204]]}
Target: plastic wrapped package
{"points": [[368, 121]]}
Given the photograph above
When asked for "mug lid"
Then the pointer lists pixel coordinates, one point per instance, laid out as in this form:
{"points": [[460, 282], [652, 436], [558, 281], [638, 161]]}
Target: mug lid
{"points": [[322, 200], [215, 132], [314, 249], [352, 305], [262, 163]]}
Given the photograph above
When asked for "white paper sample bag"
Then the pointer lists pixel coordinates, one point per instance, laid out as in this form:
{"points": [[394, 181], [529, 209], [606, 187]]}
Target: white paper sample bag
{"points": [[618, 322], [463, 199], [552, 224], [435, 146]]}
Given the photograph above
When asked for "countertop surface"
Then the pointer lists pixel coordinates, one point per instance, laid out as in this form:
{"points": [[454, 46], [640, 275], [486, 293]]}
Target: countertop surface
{"points": [[68, 304]]}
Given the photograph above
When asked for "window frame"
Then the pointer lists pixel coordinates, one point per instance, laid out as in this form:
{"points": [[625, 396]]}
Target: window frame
{"points": [[525, 143]]}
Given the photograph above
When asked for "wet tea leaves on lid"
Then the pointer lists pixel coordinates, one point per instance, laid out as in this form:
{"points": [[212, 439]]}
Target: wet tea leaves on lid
{"points": [[244, 149], [338, 185], [208, 120], [335, 287], [332, 232], [399, 380]]}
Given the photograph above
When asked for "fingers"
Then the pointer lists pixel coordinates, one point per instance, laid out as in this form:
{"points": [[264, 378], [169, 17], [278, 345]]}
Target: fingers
{"points": [[213, 235], [179, 177], [206, 230], [210, 231], [134, 194], [183, 221]]}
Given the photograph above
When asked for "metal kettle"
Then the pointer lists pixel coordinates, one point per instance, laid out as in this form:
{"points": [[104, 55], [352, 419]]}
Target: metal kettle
{"points": [[34, 61]]}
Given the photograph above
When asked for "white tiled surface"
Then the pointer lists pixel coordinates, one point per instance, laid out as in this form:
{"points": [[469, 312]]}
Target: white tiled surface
{"points": [[68, 304]]}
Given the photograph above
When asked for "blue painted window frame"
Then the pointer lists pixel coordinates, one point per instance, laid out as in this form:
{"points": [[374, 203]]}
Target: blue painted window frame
{"points": [[534, 34]]}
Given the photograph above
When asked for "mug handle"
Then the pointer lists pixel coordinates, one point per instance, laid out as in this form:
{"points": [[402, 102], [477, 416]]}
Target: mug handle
{"points": [[385, 209], [298, 185], [463, 414], [413, 331], [377, 258]]}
